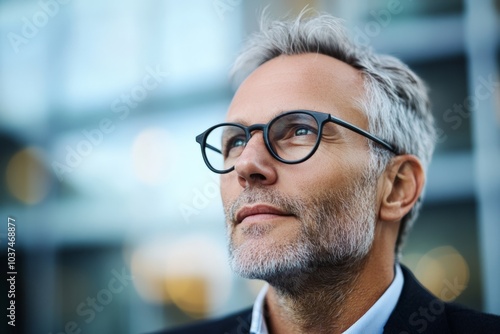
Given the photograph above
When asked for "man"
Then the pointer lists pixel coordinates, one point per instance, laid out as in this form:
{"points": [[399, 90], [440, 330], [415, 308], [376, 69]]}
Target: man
{"points": [[322, 160]]}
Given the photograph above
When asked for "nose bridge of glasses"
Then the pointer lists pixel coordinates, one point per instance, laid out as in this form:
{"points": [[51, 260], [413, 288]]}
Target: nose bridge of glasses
{"points": [[255, 127], [250, 130]]}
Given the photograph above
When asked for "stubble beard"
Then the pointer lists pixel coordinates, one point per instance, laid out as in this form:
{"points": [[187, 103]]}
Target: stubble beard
{"points": [[335, 235]]}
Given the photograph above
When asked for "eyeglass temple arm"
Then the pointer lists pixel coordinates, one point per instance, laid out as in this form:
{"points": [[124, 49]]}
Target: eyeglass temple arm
{"points": [[213, 148], [364, 133]]}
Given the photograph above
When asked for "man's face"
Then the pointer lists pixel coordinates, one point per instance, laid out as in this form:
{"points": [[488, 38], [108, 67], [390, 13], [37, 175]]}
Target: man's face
{"points": [[282, 218]]}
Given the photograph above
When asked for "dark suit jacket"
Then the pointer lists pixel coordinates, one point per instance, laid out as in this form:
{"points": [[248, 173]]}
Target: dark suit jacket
{"points": [[417, 311]]}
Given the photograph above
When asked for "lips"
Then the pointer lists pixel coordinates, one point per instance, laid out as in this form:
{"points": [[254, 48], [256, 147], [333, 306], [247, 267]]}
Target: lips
{"points": [[260, 210]]}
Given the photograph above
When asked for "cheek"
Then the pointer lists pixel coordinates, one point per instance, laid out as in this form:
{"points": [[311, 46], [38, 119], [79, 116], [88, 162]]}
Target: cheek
{"points": [[323, 170], [347, 161]]}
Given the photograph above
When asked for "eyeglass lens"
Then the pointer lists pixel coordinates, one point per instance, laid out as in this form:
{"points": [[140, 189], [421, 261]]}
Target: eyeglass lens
{"points": [[292, 137]]}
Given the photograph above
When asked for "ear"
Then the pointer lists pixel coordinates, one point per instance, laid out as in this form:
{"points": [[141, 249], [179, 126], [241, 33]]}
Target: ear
{"points": [[403, 183]]}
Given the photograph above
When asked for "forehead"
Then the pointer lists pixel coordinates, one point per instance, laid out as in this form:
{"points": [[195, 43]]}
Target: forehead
{"points": [[307, 81]]}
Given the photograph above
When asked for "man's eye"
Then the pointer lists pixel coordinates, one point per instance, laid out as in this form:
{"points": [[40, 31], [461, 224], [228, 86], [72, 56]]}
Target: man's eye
{"points": [[303, 132], [237, 142], [234, 146]]}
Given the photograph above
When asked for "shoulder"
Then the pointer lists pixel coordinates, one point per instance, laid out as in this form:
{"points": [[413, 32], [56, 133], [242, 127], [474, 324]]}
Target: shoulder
{"points": [[465, 320], [238, 322], [418, 311]]}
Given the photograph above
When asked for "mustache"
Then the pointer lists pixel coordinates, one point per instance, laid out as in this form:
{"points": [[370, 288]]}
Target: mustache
{"points": [[272, 197]]}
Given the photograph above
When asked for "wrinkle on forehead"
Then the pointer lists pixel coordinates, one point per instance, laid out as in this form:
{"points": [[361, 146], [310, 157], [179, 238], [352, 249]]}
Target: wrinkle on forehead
{"points": [[242, 121], [307, 81]]}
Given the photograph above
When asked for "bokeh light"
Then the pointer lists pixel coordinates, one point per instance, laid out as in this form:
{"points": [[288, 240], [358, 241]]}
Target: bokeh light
{"points": [[191, 272], [444, 271], [27, 178]]}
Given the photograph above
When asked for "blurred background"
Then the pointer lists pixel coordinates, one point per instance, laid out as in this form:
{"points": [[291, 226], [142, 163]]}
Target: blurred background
{"points": [[119, 224]]}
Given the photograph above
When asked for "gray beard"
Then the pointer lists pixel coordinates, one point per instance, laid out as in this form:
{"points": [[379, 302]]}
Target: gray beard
{"points": [[336, 234]]}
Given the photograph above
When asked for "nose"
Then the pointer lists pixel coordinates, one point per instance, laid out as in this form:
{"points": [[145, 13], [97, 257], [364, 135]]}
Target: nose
{"points": [[255, 165]]}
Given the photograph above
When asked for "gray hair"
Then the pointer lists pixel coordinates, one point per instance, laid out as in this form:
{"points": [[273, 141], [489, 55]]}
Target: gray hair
{"points": [[396, 101]]}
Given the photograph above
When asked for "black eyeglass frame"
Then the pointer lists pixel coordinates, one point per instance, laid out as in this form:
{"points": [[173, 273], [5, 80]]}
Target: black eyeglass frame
{"points": [[321, 119]]}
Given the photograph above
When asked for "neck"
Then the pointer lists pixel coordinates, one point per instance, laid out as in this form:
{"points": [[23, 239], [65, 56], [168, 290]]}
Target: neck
{"points": [[327, 299]]}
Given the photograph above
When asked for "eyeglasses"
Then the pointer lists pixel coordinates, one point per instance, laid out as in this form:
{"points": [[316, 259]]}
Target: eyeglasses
{"points": [[291, 138]]}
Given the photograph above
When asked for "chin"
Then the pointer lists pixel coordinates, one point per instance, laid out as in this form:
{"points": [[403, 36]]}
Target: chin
{"points": [[266, 258]]}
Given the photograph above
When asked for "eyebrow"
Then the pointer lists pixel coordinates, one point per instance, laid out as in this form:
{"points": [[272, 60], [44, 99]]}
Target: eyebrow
{"points": [[276, 114]]}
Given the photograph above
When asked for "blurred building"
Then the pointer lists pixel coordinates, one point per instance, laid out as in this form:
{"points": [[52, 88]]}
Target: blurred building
{"points": [[119, 225]]}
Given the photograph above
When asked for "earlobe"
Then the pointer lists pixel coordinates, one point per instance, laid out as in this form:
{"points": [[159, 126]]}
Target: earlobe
{"points": [[403, 184]]}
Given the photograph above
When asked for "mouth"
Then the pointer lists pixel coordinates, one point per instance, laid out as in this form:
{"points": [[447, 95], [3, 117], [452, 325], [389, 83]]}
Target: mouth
{"points": [[259, 212]]}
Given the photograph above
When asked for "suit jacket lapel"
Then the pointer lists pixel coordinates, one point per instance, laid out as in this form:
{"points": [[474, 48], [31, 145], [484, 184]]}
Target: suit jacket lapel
{"points": [[417, 311]]}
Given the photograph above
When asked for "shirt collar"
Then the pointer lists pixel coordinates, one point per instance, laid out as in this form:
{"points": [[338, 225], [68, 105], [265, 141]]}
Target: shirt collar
{"points": [[373, 321], [258, 325]]}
